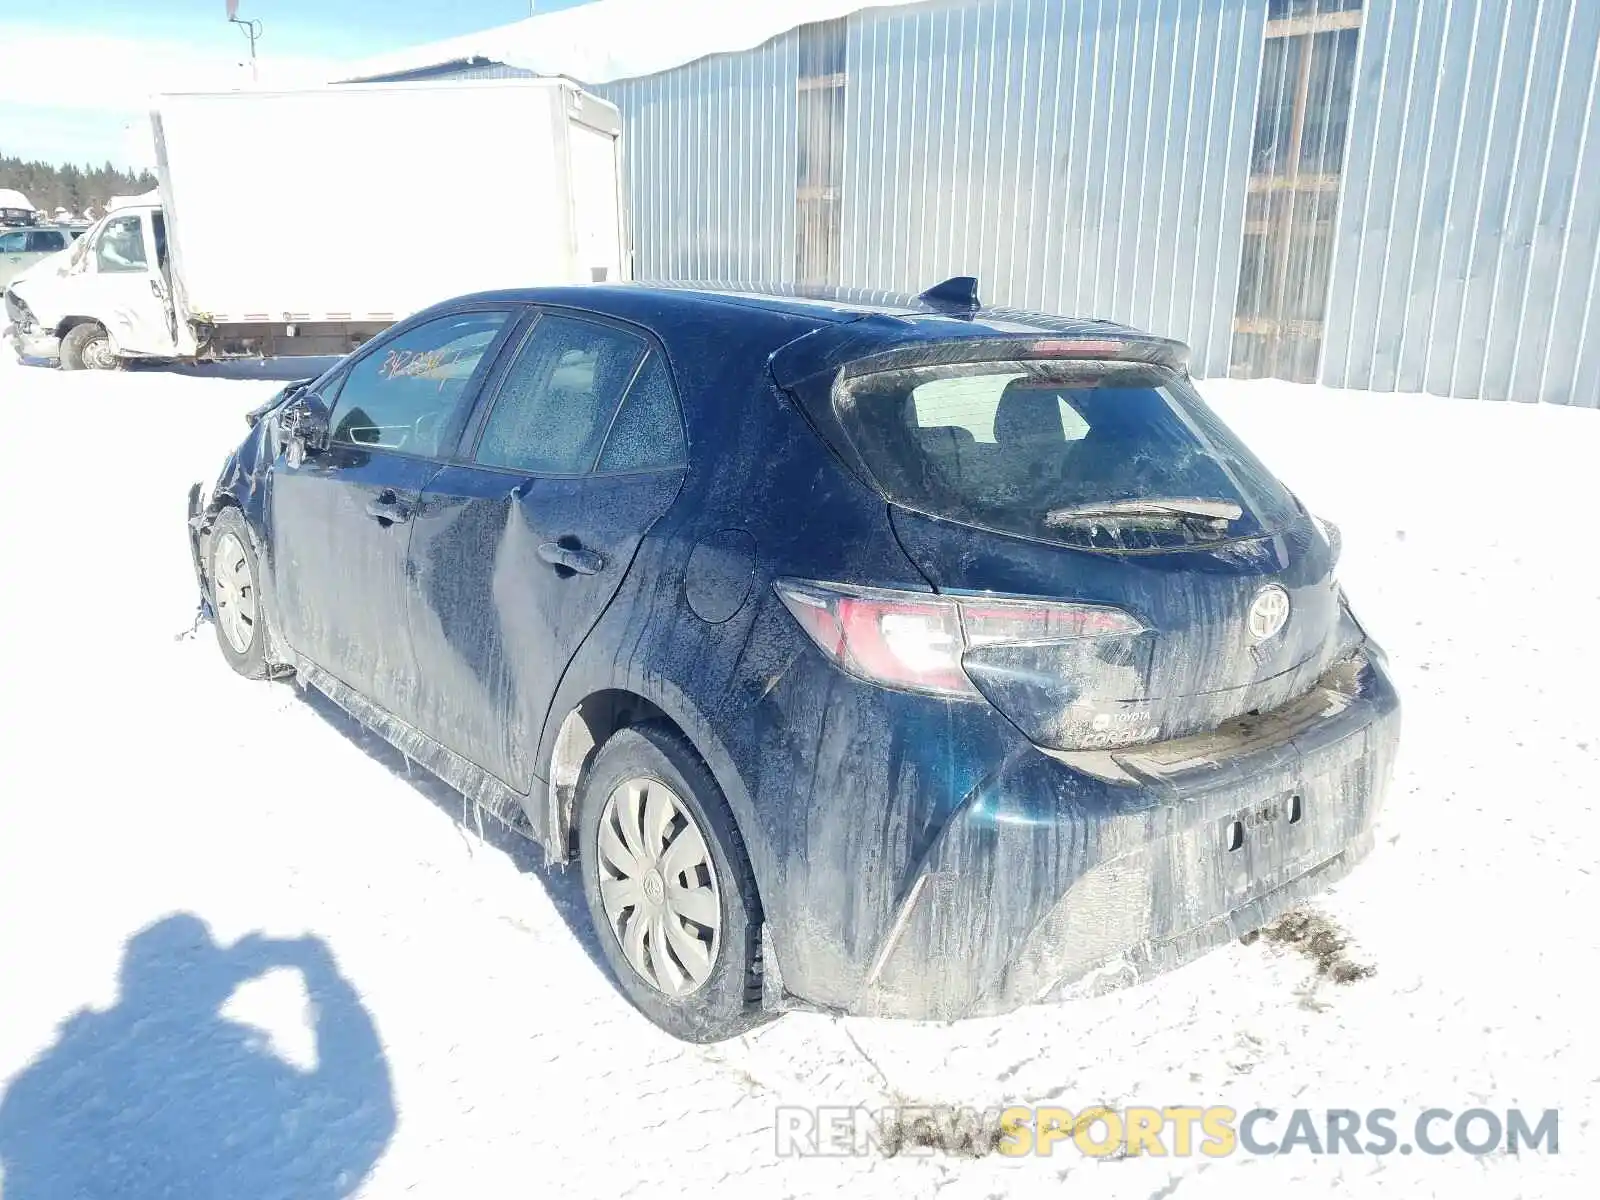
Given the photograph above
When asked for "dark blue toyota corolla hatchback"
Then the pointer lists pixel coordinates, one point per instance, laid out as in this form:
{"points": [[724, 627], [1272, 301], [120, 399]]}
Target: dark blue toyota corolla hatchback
{"points": [[901, 657]]}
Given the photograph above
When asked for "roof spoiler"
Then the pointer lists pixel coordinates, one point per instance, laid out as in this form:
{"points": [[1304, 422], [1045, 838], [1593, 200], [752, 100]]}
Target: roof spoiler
{"points": [[871, 346]]}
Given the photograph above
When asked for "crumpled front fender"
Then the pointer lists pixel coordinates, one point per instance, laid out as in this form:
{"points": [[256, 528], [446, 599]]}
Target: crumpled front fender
{"points": [[199, 524]]}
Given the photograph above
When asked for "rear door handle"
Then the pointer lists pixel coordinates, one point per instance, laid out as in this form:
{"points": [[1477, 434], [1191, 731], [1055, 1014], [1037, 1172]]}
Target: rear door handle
{"points": [[572, 557], [387, 510]]}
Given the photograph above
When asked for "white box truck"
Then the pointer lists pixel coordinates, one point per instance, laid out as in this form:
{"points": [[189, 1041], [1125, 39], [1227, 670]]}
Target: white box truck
{"points": [[304, 222]]}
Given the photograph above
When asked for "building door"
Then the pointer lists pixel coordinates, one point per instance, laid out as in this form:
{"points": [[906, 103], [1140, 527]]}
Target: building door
{"points": [[1296, 172], [819, 167]]}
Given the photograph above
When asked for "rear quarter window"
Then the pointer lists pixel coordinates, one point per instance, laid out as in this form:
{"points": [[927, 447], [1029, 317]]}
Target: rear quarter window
{"points": [[647, 433]]}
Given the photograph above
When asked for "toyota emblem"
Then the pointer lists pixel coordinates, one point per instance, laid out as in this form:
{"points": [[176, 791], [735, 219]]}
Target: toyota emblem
{"points": [[1268, 612]]}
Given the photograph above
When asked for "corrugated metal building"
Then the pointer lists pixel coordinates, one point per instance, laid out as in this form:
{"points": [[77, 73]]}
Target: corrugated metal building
{"points": [[1383, 195]]}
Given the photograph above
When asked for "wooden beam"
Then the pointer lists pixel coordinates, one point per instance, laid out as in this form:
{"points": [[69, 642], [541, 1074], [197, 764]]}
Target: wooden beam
{"points": [[1264, 225], [1314, 23], [1294, 183], [812, 83], [1272, 327]]}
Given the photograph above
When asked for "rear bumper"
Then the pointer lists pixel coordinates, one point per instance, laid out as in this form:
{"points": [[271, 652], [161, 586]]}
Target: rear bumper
{"points": [[1055, 880]]}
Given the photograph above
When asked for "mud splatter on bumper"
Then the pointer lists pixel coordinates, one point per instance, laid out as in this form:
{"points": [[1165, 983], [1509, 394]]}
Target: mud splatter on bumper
{"points": [[1041, 888]]}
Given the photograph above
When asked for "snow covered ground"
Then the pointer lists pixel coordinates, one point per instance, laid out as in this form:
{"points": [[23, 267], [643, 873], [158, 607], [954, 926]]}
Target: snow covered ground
{"points": [[142, 779]]}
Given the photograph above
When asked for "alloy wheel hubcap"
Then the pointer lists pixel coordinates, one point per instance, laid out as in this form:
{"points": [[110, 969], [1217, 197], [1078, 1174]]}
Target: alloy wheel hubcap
{"points": [[97, 354], [235, 592], [658, 886]]}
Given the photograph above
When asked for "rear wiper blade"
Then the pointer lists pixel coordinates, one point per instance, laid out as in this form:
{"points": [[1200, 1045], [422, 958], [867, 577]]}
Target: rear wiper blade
{"points": [[1209, 510]]}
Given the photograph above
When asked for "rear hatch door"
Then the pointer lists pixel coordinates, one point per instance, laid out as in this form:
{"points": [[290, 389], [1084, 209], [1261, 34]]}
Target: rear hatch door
{"points": [[1096, 475]]}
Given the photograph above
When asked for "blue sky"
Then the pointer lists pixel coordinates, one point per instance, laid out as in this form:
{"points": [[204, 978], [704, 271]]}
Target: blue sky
{"points": [[73, 75]]}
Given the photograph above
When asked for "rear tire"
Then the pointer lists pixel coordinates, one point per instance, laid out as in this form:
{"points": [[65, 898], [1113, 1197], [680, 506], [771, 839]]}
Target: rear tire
{"points": [[238, 613], [87, 347], [694, 923]]}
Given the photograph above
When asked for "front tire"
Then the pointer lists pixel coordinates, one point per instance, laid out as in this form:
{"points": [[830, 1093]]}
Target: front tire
{"points": [[669, 885], [87, 347], [239, 614]]}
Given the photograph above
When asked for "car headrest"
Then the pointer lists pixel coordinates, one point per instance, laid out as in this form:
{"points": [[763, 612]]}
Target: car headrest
{"points": [[1027, 414], [946, 439]]}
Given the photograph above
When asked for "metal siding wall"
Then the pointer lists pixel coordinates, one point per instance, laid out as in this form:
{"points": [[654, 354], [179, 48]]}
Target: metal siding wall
{"points": [[1091, 157], [1080, 157], [1465, 264], [1086, 158], [709, 166]]}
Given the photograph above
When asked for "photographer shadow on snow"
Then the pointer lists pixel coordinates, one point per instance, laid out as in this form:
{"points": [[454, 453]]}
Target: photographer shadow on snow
{"points": [[563, 886], [166, 1094]]}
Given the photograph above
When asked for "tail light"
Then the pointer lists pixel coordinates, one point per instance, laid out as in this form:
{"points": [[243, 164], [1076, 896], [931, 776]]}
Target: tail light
{"points": [[914, 641], [1330, 534]]}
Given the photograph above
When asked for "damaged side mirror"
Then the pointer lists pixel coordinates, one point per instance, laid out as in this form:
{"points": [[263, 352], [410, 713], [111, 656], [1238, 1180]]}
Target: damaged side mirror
{"points": [[304, 427]]}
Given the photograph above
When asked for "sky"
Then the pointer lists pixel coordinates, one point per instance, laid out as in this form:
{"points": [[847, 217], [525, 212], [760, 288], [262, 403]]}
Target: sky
{"points": [[74, 77]]}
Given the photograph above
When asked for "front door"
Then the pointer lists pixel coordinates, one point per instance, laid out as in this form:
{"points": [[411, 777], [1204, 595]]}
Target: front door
{"points": [[127, 290], [574, 453], [341, 519]]}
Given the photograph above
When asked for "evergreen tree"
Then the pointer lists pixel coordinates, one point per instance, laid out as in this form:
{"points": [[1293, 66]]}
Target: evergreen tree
{"points": [[49, 186]]}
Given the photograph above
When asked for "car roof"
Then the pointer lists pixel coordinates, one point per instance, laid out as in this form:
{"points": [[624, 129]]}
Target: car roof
{"points": [[825, 305], [819, 328]]}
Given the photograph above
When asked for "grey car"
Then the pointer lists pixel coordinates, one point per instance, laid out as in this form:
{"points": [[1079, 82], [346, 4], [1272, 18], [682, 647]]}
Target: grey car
{"points": [[21, 248]]}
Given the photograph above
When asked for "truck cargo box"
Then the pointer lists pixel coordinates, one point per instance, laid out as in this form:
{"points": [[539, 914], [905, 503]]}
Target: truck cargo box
{"points": [[366, 202]]}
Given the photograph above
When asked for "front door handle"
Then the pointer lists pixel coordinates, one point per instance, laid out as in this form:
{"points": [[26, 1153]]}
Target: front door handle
{"points": [[567, 554], [387, 510]]}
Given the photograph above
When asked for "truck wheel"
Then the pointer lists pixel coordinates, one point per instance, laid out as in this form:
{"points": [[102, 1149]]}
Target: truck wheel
{"points": [[669, 885], [88, 347], [240, 617]]}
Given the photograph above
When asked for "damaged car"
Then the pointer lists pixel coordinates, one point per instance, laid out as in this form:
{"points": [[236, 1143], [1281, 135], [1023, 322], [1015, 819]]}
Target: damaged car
{"points": [[877, 655]]}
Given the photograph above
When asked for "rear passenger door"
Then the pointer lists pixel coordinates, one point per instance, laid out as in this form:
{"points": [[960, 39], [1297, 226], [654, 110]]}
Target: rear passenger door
{"points": [[575, 451]]}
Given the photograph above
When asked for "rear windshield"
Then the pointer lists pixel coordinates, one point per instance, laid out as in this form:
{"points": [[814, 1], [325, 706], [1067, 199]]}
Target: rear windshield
{"points": [[1099, 456]]}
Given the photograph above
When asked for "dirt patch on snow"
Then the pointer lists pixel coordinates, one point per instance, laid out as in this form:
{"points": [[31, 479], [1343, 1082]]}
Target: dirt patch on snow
{"points": [[959, 1132], [1321, 940]]}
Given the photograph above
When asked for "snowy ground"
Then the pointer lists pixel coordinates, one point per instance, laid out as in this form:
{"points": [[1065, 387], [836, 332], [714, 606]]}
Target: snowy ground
{"points": [[142, 779]]}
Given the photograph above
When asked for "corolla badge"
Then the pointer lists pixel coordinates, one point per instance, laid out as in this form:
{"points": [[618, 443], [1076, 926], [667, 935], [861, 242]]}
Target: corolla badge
{"points": [[1268, 612]]}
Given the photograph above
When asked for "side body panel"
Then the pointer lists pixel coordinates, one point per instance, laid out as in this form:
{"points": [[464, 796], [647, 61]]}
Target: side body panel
{"points": [[494, 621], [837, 786]]}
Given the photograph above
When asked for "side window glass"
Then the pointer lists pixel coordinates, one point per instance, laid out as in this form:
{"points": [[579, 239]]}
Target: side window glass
{"points": [[331, 393], [402, 395], [558, 397], [158, 226], [121, 247], [647, 434], [12, 243]]}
